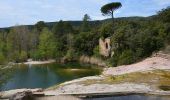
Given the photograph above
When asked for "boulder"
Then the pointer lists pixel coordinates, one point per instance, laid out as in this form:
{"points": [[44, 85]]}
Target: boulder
{"points": [[25, 95], [17, 93]]}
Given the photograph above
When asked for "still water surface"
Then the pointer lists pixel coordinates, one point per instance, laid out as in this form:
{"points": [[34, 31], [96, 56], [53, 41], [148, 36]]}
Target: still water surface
{"points": [[133, 97], [44, 76]]}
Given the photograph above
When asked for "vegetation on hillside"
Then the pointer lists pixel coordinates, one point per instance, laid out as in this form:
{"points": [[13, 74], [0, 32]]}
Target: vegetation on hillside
{"points": [[133, 39]]}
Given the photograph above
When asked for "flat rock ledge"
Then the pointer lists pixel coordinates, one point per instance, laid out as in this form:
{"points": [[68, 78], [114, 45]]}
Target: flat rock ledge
{"points": [[76, 88], [104, 89]]}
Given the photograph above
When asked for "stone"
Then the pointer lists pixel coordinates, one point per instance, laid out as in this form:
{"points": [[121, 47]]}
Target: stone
{"points": [[12, 93], [26, 95], [105, 47]]}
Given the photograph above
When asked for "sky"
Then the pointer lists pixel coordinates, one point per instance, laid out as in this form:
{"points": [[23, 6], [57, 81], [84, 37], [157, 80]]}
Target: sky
{"points": [[25, 12]]}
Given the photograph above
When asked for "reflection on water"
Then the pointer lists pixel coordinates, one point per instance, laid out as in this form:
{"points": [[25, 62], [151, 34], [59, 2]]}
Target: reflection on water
{"points": [[133, 97], [43, 76]]}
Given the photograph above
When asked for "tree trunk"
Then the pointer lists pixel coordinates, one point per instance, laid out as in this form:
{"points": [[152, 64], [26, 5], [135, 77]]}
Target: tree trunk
{"points": [[113, 21], [112, 30]]}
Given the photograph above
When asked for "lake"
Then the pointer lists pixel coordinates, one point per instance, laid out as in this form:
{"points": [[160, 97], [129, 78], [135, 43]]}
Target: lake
{"points": [[44, 76]]}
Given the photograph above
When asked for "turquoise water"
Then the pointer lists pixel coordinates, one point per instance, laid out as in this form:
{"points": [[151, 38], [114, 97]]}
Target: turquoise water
{"points": [[44, 76]]}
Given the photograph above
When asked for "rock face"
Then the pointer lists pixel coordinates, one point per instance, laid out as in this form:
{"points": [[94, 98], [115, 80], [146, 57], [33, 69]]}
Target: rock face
{"points": [[157, 62], [105, 47]]}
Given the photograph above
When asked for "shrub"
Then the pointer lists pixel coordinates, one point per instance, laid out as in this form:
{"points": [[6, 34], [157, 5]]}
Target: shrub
{"points": [[96, 51], [2, 59], [106, 30], [127, 57], [15, 56], [70, 55], [23, 56], [35, 55]]}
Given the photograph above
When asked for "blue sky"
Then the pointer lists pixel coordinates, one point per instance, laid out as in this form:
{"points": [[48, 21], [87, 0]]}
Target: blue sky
{"points": [[19, 12]]}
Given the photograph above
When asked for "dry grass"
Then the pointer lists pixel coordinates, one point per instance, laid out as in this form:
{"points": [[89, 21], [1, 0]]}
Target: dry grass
{"points": [[153, 78], [156, 79]]}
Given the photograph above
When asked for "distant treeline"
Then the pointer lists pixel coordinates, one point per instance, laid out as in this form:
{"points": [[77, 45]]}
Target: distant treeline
{"points": [[134, 38]]}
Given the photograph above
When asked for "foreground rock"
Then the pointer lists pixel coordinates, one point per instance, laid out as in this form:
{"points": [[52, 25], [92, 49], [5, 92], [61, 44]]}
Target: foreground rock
{"points": [[123, 80], [129, 79], [31, 94], [26, 95], [99, 89], [158, 62], [19, 93], [95, 86], [99, 85]]}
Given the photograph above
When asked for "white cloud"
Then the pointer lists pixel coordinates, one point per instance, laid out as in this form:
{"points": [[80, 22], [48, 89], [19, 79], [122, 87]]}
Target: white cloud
{"points": [[162, 2], [31, 11]]}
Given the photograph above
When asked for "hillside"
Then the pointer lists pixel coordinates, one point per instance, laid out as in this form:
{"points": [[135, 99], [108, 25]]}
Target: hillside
{"points": [[132, 39], [77, 24]]}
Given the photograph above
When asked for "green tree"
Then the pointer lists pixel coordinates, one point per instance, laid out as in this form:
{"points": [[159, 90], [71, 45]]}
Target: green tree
{"points": [[40, 25], [85, 42], [17, 41], [23, 56], [68, 28], [109, 9], [105, 30], [2, 58], [96, 51], [85, 27], [126, 57], [47, 45], [164, 15], [62, 31], [58, 29], [70, 55]]}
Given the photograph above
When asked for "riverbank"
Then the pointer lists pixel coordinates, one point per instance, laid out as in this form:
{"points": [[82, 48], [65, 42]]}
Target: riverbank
{"points": [[95, 86], [83, 59], [123, 79], [158, 61], [117, 85], [127, 79], [38, 62]]}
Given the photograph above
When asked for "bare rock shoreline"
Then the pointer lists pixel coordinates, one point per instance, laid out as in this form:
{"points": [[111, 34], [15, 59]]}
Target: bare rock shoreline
{"points": [[127, 79], [86, 87], [158, 61], [119, 80], [76, 88]]}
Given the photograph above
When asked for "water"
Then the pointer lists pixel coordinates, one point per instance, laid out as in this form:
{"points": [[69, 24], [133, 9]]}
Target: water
{"points": [[44, 76], [133, 97]]}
